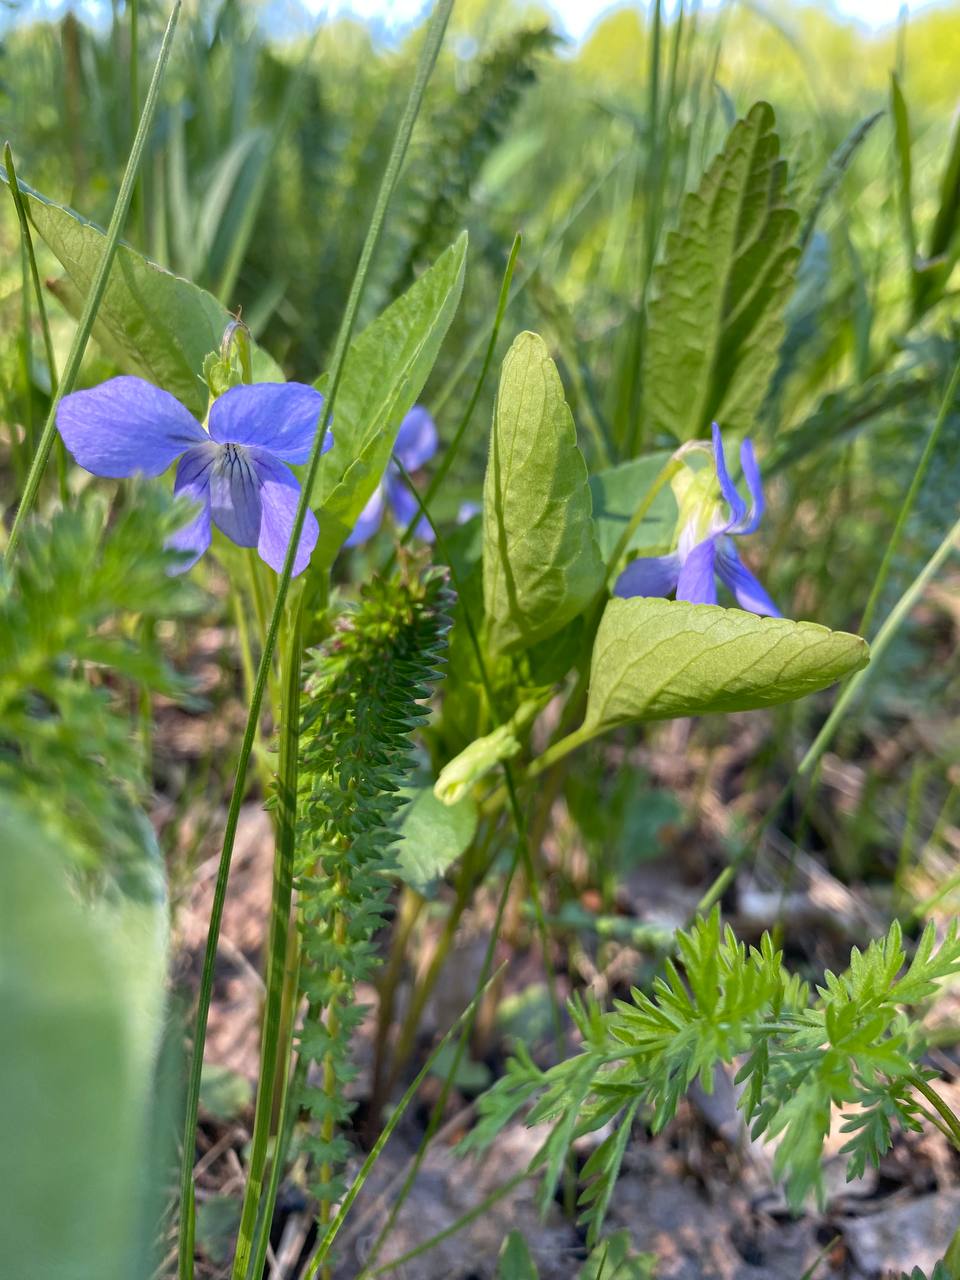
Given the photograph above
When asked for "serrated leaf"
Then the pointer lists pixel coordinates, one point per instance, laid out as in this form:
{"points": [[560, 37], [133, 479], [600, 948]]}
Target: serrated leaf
{"points": [[432, 836], [716, 319], [541, 562], [151, 323], [383, 374], [616, 495], [656, 659]]}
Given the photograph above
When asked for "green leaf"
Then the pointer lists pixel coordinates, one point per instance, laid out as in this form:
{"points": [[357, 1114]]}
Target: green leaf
{"points": [[432, 836], [82, 988], [614, 1259], [515, 1260], [716, 319], [541, 562], [657, 659], [151, 323], [901, 136], [383, 374], [224, 1093], [616, 495], [471, 1076], [474, 762]]}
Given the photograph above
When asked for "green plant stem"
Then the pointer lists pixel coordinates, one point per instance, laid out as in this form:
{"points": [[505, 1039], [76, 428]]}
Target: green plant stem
{"points": [[408, 913], [472, 349], [519, 818], [286, 1107], [946, 1113], [487, 978], [285, 1116], [27, 241], [428, 56], [463, 1221], [894, 621], [274, 1048], [23, 449], [909, 501], [559, 749], [97, 289], [325, 1245], [422, 990], [521, 854], [451, 451], [663, 477]]}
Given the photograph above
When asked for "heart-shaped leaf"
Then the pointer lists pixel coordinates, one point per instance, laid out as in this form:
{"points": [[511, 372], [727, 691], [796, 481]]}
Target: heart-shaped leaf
{"points": [[657, 659], [541, 562]]}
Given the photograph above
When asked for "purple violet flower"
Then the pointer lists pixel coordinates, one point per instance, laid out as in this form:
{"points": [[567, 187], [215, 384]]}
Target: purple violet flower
{"points": [[705, 549], [236, 473], [416, 444]]}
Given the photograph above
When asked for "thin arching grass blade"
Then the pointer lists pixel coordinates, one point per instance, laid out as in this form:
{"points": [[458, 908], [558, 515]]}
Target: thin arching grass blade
{"points": [[84, 327], [425, 65]]}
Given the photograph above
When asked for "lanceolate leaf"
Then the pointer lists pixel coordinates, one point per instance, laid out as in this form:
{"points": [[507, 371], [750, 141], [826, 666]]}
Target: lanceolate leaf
{"points": [[541, 562], [152, 323], [384, 373], [716, 320], [657, 659]]}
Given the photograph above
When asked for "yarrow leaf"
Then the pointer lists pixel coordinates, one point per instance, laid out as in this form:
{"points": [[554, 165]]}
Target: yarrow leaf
{"points": [[364, 696], [849, 1047]]}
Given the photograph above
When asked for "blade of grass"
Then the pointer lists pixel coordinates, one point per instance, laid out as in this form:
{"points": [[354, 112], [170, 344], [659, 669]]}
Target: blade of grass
{"points": [[463, 1221], [895, 619], [425, 65], [94, 297], [472, 348], [451, 451], [273, 1048], [27, 241], [946, 404]]}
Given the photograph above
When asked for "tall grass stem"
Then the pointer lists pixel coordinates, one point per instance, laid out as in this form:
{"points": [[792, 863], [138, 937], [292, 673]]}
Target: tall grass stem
{"points": [[97, 289], [428, 56]]}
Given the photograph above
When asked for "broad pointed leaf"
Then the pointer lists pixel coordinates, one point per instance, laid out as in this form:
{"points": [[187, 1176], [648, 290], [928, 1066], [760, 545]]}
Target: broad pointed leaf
{"points": [[151, 323], [659, 659], [716, 320], [541, 562], [384, 372]]}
